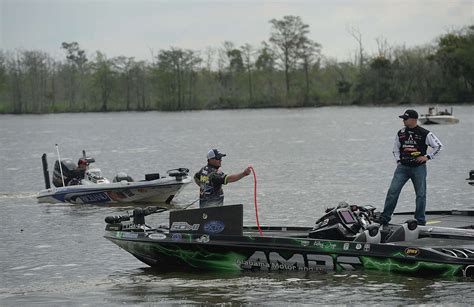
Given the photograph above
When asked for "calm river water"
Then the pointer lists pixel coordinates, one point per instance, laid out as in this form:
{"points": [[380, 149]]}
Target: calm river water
{"points": [[305, 160]]}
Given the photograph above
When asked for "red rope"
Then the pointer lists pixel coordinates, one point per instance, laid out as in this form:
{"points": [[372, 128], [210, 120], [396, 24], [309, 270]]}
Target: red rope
{"points": [[255, 199]]}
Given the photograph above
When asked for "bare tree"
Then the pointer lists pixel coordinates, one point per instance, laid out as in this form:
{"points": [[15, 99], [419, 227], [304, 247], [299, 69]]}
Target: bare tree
{"points": [[383, 47], [309, 53], [357, 35], [247, 52], [288, 35]]}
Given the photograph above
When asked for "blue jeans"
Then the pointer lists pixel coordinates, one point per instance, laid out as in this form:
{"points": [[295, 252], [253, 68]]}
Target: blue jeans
{"points": [[400, 177]]}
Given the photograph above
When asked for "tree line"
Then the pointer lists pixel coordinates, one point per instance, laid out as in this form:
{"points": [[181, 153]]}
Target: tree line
{"points": [[288, 70]]}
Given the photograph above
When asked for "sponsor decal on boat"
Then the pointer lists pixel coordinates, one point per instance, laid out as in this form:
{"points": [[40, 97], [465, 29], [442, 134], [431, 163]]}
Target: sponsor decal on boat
{"points": [[157, 236], [214, 227], [183, 226], [297, 262], [203, 239], [94, 198], [346, 246], [358, 246], [329, 245], [128, 192], [304, 243], [409, 251], [127, 235], [176, 237], [116, 195], [366, 247]]}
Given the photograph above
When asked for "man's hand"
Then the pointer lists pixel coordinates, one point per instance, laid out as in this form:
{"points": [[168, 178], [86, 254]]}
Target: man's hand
{"points": [[247, 171], [422, 159]]}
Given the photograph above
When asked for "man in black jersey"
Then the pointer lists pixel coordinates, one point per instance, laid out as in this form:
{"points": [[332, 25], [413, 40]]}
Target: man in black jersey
{"points": [[210, 180], [410, 153]]}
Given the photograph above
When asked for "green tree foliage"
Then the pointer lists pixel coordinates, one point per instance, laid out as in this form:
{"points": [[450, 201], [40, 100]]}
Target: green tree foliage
{"points": [[288, 70], [76, 60], [455, 55], [176, 75], [104, 79]]}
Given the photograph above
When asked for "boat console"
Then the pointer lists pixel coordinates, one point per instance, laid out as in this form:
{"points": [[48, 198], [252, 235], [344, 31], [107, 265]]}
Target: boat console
{"points": [[355, 223]]}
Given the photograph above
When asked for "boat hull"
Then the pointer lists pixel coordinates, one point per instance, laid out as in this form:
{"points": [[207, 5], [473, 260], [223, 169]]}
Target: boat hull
{"points": [[251, 252], [161, 190], [438, 120]]}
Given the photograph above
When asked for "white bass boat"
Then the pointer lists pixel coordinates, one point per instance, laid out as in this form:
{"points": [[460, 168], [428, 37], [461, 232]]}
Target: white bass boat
{"points": [[80, 184], [435, 117]]}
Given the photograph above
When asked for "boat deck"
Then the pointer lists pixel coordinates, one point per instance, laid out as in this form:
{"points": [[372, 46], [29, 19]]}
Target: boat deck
{"points": [[439, 242], [465, 219]]}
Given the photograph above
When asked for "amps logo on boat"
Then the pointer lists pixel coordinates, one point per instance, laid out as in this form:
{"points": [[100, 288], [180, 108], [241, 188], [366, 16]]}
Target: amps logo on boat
{"points": [[412, 251], [266, 261], [183, 226], [214, 227]]}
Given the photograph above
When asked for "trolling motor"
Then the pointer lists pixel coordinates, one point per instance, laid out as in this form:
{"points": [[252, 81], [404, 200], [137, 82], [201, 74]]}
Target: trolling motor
{"points": [[178, 173], [138, 215]]}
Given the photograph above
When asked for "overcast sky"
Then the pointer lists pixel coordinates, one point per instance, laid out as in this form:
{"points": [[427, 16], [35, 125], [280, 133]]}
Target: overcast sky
{"points": [[134, 27]]}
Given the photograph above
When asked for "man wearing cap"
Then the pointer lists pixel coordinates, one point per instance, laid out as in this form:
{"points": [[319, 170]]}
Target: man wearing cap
{"points": [[210, 180], [410, 153]]}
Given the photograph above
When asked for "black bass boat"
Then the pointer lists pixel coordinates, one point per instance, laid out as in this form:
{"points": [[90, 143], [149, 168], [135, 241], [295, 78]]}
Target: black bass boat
{"points": [[345, 238]]}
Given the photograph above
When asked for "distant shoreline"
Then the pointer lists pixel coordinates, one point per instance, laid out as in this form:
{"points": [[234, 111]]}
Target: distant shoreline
{"points": [[441, 105]]}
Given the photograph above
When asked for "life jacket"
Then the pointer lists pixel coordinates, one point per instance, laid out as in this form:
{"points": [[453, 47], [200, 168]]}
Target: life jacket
{"points": [[412, 145], [210, 182]]}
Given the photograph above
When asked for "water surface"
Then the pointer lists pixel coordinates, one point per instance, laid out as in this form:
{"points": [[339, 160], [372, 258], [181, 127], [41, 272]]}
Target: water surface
{"points": [[306, 160]]}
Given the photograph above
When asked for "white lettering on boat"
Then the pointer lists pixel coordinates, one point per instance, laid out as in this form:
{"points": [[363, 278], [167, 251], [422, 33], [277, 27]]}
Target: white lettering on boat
{"points": [[297, 262]]}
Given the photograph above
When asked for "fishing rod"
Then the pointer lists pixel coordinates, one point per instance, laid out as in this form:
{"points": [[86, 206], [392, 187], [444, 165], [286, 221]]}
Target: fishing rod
{"points": [[60, 166]]}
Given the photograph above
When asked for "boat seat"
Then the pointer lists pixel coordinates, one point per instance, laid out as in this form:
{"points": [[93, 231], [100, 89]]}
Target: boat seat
{"points": [[370, 235], [406, 232]]}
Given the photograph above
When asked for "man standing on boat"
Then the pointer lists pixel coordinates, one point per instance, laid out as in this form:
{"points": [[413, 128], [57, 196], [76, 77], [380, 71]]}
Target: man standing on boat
{"points": [[410, 153], [210, 180]]}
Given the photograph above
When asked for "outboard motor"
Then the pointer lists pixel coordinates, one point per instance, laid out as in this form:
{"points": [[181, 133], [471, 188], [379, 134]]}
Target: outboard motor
{"points": [[122, 177], [339, 223], [69, 172]]}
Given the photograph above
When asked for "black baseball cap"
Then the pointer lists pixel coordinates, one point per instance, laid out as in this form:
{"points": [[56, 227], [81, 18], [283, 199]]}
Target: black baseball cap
{"points": [[215, 154], [409, 114]]}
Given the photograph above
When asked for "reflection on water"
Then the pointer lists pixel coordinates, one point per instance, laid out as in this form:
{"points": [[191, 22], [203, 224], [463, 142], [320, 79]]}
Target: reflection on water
{"points": [[272, 288], [306, 160]]}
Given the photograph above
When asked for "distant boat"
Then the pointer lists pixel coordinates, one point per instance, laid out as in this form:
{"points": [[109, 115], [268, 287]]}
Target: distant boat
{"points": [[435, 117], [471, 177], [80, 184]]}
